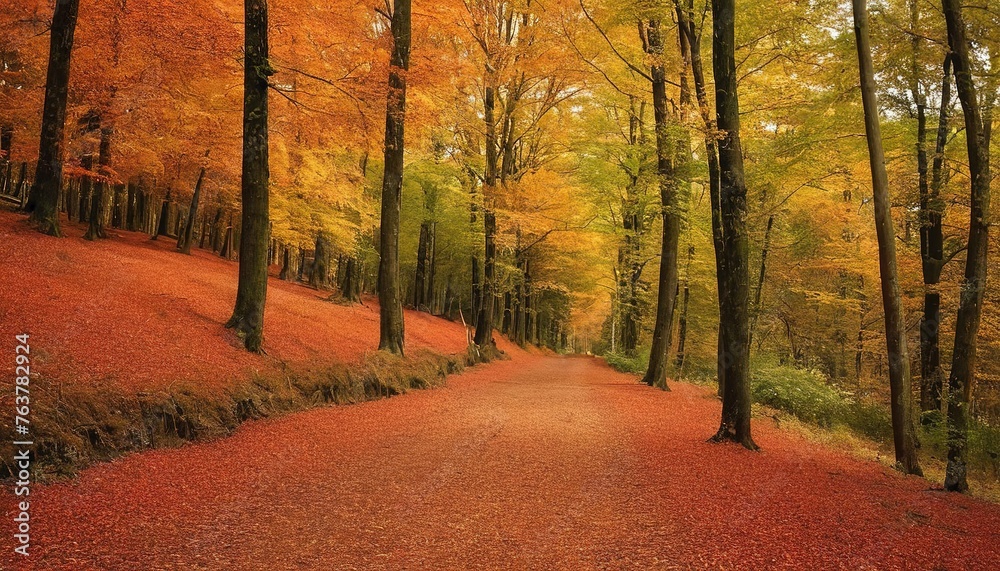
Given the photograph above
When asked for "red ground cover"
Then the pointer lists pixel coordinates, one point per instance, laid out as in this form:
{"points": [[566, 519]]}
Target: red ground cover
{"points": [[135, 313], [535, 463]]}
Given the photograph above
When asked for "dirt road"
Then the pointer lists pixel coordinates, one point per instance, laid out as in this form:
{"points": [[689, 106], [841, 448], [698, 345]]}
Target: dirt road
{"points": [[537, 463]]}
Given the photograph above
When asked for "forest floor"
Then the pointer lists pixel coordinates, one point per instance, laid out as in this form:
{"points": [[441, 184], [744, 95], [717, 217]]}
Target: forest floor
{"points": [[539, 462], [135, 314]]}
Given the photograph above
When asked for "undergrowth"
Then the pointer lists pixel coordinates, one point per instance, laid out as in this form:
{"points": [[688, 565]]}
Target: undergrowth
{"points": [[807, 395], [74, 426]]}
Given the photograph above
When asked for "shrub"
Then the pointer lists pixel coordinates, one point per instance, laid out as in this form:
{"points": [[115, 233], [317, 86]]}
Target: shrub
{"points": [[803, 393], [636, 363]]}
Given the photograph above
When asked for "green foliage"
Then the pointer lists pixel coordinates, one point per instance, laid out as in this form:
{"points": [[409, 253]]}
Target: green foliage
{"points": [[629, 364], [807, 395], [984, 447], [803, 393]]}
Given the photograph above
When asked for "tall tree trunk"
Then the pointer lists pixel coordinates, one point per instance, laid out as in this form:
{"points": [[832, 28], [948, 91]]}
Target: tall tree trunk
{"points": [[963, 362], [391, 332], [97, 207], [932, 259], [656, 373], [286, 262], [904, 437], [193, 213], [714, 177], [484, 320], [251, 292], [43, 201], [734, 292]]}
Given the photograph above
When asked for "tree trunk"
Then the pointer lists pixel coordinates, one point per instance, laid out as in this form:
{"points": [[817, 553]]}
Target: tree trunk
{"points": [[734, 292], [192, 214], [286, 262], [19, 192], [6, 140], [656, 373], [319, 276], [430, 297], [484, 319], [484, 325], [932, 259], [130, 206], [391, 330], [251, 292], [95, 229], [86, 189], [351, 288], [963, 363], [162, 222], [904, 438], [761, 275], [43, 201], [714, 176], [682, 325], [420, 277]]}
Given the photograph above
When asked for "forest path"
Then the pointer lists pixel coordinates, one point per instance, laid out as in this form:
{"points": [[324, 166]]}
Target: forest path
{"points": [[536, 463]]}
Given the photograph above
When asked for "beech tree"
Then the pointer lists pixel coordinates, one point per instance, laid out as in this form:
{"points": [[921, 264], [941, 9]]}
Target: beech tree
{"points": [[43, 201], [963, 361], [656, 372], [895, 326], [248, 315], [389, 294], [735, 290]]}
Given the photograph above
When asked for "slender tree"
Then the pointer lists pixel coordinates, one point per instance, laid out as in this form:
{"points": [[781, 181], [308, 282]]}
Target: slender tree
{"points": [[43, 201], [656, 372], [389, 291], [963, 361], [693, 37], [735, 290], [903, 434], [251, 292], [933, 259]]}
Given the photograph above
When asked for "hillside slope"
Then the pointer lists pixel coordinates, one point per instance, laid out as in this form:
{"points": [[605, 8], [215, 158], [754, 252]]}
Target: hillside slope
{"points": [[133, 313]]}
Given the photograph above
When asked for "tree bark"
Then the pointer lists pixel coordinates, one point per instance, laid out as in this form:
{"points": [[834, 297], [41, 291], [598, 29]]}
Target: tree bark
{"points": [[932, 260], [687, 26], [420, 277], [95, 229], [6, 140], [734, 293], [759, 290], [682, 325], [963, 362], [391, 330], [656, 373], [319, 276], [162, 222], [248, 314], [43, 200], [192, 214], [904, 437], [484, 320]]}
